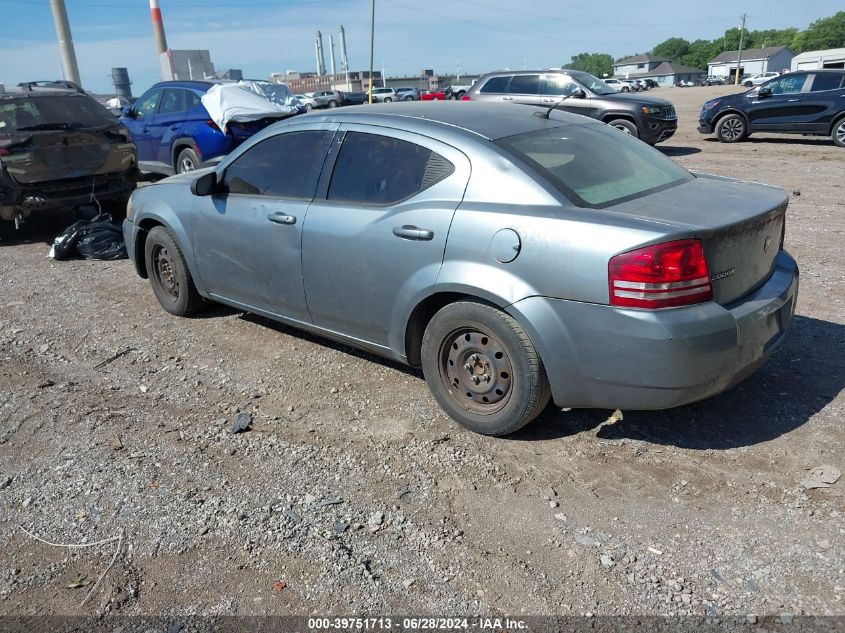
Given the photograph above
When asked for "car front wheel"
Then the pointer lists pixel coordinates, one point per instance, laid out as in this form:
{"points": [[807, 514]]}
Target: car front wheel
{"points": [[483, 369], [623, 125], [731, 129], [169, 276], [187, 161], [838, 134]]}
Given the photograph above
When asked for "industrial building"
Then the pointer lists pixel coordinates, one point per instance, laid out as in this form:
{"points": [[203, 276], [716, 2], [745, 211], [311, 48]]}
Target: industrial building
{"points": [[815, 60], [752, 61]]}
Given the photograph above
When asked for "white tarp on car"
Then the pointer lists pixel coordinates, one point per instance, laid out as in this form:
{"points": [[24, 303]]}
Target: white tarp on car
{"points": [[248, 101]]}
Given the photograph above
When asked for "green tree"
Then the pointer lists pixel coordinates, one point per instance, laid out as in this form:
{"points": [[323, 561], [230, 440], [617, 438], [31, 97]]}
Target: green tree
{"points": [[673, 49], [597, 64], [821, 34], [700, 53]]}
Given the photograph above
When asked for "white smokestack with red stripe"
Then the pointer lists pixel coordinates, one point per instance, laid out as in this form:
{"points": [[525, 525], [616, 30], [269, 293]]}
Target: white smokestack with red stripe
{"points": [[158, 27]]}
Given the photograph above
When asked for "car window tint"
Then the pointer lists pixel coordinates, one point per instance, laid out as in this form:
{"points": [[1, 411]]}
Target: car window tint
{"points": [[525, 85], [560, 85], [595, 165], [375, 169], [284, 166], [51, 110], [192, 99], [495, 84], [146, 105], [826, 81], [789, 84], [173, 100]]}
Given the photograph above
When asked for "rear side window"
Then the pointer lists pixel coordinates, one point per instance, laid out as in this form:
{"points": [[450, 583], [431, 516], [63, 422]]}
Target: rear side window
{"points": [[173, 100], [827, 81], [380, 170], [283, 166], [53, 112], [495, 84], [525, 85], [595, 165]]}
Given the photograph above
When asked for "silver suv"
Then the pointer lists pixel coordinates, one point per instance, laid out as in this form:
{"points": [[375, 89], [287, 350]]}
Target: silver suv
{"points": [[326, 98], [648, 118], [384, 95]]}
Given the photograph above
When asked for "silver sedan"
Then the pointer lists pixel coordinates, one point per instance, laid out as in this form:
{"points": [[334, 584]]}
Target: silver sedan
{"points": [[515, 256]]}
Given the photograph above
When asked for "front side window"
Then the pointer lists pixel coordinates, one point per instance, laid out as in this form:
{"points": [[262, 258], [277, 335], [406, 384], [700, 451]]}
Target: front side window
{"points": [[595, 165], [826, 81], [282, 166], [786, 85], [495, 84], [380, 170], [525, 85], [559, 85], [592, 83], [147, 104]]}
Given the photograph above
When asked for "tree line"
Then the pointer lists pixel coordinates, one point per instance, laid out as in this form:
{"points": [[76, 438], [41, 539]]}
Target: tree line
{"points": [[821, 34]]}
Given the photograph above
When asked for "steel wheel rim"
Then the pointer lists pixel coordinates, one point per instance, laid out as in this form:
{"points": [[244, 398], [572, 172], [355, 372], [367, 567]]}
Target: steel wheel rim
{"points": [[165, 273], [186, 164], [732, 129], [476, 370], [840, 132]]}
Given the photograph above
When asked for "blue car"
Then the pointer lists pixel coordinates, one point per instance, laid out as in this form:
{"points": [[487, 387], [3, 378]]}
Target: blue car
{"points": [[173, 131]]}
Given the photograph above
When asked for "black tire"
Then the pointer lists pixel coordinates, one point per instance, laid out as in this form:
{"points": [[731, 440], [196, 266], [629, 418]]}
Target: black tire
{"points": [[388, 99], [748, 84], [169, 275], [731, 128], [837, 133], [409, 98], [626, 89], [186, 161], [308, 107], [332, 103], [512, 387], [626, 126]]}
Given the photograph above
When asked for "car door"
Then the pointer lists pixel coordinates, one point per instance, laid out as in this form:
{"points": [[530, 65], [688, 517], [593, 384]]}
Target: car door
{"points": [[555, 87], [376, 237], [248, 238], [165, 123], [779, 110], [143, 110], [525, 89], [824, 100]]}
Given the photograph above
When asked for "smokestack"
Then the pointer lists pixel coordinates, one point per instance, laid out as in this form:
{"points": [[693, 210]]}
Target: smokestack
{"points": [[122, 85], [158, 27], [321, 60], [69, 65], [344, 60], [331, 48]]}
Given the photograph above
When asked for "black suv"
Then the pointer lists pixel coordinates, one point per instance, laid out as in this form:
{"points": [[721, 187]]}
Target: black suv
{"points": [[59, 148], [804, 102], [648, 118]]}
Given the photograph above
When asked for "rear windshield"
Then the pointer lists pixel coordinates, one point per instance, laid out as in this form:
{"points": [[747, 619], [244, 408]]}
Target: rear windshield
{"points": [[51, 113], [595, 165]]}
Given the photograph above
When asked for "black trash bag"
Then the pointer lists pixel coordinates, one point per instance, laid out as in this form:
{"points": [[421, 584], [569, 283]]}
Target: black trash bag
{"points": [[101, 239], [98, 238]]}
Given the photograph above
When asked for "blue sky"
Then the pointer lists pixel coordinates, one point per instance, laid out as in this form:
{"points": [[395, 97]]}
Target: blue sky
{"points": [[263, 36]]}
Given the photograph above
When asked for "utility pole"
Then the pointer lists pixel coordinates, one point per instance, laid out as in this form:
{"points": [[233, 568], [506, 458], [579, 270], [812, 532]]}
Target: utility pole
{"points": [[70, 69], [372, 48], [739, 52]]}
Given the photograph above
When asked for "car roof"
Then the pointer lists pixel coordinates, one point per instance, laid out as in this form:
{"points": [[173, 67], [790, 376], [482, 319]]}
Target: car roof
{"points": [[17, 93], [491, 121], [202, 85]]}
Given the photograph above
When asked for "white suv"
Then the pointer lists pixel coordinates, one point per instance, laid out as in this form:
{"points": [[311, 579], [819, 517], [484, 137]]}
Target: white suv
{"points": [[758, 79], [384, 95]]}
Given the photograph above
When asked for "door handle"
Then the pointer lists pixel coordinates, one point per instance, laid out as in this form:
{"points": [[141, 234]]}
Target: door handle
{"points": [[410, 232], [791, 100], [507, 98], [548, 100], [281, 218], [174, 127]]}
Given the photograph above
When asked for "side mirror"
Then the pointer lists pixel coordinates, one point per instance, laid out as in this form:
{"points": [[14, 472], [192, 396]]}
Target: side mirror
{"points": [[764, 93], [579, 94], [128, 112], [205, 185]]}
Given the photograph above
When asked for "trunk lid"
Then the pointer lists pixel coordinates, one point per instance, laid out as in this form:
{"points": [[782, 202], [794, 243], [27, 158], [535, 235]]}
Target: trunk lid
{"points": [[739, 224], [46, 155]]}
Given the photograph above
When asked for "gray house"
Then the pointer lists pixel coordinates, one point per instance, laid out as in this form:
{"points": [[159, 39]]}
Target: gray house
{"points": [[752, 62], [626, 68]]}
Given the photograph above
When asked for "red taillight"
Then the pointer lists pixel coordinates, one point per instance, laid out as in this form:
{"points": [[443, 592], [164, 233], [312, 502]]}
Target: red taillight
{"points": [[212, 125], [466, 98], [4, 151], [660, 276]]}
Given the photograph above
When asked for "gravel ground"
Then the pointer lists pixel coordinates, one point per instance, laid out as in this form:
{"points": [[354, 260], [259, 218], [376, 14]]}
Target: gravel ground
{"points": [[352, 492]]}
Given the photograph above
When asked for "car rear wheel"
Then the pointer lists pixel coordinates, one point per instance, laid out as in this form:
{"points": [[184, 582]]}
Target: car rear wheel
{"points": [[626, 89], [623, 125], [186, 161], [388, 99], [838, 134], [308, 107], [409, 98], [483, 369], [731, 128], [170, 278], [748, 84]]}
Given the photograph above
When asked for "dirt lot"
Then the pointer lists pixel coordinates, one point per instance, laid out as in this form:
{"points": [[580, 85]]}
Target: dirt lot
{"points": [[359, 495]]}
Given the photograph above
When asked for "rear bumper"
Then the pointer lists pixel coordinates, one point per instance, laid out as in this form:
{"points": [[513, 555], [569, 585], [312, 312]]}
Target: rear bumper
{"points": [[606, 357]]}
